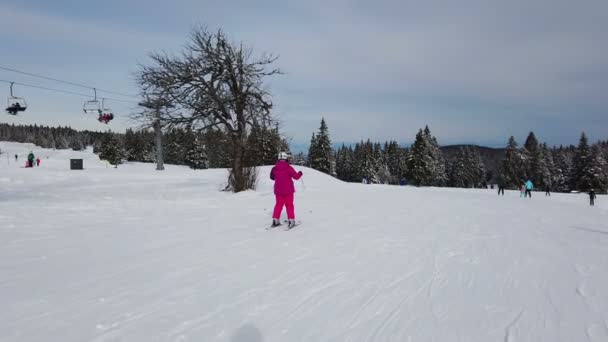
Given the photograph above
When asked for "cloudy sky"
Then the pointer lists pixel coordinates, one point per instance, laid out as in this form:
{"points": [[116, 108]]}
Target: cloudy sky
{"points": [[475, 71]]}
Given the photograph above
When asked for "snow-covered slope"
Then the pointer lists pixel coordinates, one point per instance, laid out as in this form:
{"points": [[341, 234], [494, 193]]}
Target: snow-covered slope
{"points": [[132, 254]]}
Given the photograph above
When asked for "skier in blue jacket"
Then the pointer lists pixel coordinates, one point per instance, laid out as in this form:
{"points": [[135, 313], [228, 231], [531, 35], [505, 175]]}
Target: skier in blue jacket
{"points": [[529, 187]]}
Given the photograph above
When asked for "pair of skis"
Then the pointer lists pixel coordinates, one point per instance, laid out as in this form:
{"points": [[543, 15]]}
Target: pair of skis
{"points": [[286, 228]]}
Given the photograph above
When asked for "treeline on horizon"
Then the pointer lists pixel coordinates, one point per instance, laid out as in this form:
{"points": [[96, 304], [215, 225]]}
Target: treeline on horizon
{"points": [[560, 169]]}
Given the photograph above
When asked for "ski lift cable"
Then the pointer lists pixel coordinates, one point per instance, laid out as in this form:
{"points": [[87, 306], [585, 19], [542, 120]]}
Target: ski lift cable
{"points": [[66, 82], [64, 91]]}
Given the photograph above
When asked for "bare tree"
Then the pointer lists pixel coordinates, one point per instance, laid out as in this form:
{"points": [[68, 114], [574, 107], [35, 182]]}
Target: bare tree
{"points": [[217, 83]]}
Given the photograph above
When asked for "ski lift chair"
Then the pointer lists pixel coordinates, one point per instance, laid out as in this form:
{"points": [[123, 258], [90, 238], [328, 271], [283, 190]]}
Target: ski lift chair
{"points": [[15, 104], [92, 106]]}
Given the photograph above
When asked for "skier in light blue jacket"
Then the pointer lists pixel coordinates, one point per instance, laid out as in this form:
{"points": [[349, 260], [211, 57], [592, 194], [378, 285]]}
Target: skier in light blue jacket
{"points": [[529, 187]]}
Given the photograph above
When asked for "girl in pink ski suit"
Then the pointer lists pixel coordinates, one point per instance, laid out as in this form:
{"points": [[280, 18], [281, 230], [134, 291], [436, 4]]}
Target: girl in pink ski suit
{"points": [[283, 175]]}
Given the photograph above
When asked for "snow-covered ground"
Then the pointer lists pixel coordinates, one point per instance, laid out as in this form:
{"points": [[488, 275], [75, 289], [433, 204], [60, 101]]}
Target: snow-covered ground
{"points": [[132, 254]]}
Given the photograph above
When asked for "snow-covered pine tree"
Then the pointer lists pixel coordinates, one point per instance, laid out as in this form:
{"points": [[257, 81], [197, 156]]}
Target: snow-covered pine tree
{"points": [[531, 158], [253, 156], [581, 166], [365, 166], [478, 169], [146, 140], [597, 173], [439, 173], [111, 149], [263, 145], [312, 149], [403, 155], [420, 162], [272, 144], [511, 168], [391, 157], [320, 153], [350, 165], [76, 144], [457, 171], [562, 171], [218, 146], [546, 167], [138, 146], [380, 164], [343, 166], [175, 146], [196, 156]]}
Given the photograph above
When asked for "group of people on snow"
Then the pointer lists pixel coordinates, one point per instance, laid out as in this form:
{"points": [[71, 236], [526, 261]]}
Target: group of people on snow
{"points": [[31, 159], [527, 187]]}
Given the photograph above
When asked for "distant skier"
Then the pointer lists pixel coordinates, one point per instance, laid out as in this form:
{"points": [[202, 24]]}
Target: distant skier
{"points": [[547, 190], [16, 157], [529, 187], [30, 159], [37, 161], [592, 197], [522, 190], [501, 186], [283, 175]]}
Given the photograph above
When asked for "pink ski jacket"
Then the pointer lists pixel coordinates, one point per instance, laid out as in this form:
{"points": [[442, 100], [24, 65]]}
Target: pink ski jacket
{"points": [[283, 174]]}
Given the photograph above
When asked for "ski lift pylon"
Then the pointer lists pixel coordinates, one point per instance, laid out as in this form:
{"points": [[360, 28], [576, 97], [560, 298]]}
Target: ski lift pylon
{"points": [[92, 106], [15, 104]]}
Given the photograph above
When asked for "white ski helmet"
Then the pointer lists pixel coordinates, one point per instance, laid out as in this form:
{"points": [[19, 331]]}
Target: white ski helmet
{"points": [[283, 155]]}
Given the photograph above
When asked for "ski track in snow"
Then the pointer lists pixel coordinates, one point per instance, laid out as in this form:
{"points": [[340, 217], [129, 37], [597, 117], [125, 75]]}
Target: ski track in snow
{"points": [[131, 254]]}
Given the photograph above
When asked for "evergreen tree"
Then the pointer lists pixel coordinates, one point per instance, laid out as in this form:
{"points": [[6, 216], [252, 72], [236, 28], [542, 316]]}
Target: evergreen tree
{"points": [[457, 171], [425, 163], [263, 146], [320, 152], [196, 156], [392, 159], [403, 157], [546, 168], [478, 170], [218, 148], [532, 158], [439, 173], [511, 168], [312, 148], [582, 173], [345, 164], [420, 162], [596, 175], [365, 165], [562, 171], [380, 165], [132, 148], [112, 149], [76, 143], [467, 170]]}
